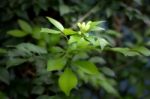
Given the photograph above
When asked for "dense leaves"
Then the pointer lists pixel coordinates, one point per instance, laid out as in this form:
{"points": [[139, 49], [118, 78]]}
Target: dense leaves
{"points": [[42, 60]]}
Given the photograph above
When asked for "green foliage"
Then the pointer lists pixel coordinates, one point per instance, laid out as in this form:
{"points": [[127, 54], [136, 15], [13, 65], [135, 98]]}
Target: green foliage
{"points": [[67, 81], [87, 67], [56, 24], [56, 64], [17, 33], [33, 59], [4, 75], [46, 30], [25, 26]]}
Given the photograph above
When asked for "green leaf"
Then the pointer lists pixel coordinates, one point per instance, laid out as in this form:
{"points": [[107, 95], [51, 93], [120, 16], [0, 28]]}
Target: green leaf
{"points": [[31, 48], [37, 90], [142, 50], [3, 96], [97, 29], [74, 39], [14, 62], [25, 26], [46, 30], [108, 71], [103, 43], [36, 32], [80, 41], [17, 33], [64, 9], [97, 59], [69, 32], [125, 51], [67, 81], [87, 67], [96, 23], [56, 49], [4, 75], [2, 51], [113, 33], [56, 23], [108, 87], [56, 64]]}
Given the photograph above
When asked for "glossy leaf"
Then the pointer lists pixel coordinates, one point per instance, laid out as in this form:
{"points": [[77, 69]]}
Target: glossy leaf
{"points": [[67, 81], [51, 31], [25, 26], [56, 64], [87, 67], [56, 23], [17, 33]]}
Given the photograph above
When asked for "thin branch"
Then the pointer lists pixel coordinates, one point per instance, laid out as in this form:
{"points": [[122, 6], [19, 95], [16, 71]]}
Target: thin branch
{"points": [[93, 10]]}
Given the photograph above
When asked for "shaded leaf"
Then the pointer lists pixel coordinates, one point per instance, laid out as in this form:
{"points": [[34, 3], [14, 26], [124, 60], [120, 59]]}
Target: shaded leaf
{"points": [[108, 71], [142, 50], [103, 43], [3, 96], [25, 26], [36, 32], [4, 75], [15, 62], [97, 59], [37, 90], [44, 97], [125, 51], [31, 48]]}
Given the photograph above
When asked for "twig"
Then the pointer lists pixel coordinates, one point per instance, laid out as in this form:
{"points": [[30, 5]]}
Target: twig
{"points": [[93, 10]]}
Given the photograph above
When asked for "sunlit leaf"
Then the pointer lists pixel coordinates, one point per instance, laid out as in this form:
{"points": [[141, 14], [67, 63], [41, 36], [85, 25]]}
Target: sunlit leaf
{"points": [[69, 32], [51, 31], [17, 33], [56, 23], [87, 67], [67, 81], [56, 64]]}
